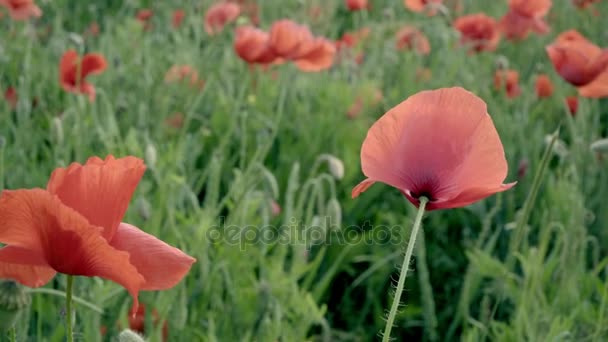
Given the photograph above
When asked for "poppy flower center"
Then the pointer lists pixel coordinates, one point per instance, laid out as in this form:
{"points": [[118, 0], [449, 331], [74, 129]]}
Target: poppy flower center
{"points": [[426, 194]]}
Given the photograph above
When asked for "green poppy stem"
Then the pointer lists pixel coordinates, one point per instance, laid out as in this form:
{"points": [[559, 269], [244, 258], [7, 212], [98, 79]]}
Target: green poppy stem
{"points": [[68, 309], [404, 268]]}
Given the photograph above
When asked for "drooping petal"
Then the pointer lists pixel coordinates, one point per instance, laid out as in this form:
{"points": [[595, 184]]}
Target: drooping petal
{"points": [[99, 190], [320, 57], [25, 266], [38, 221], [67, 75], [597, 88], [162, 266], [362, 187], [437, 144]]}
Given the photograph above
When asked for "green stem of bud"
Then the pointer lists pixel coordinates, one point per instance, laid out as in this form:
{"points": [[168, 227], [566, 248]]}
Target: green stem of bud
{"points": [[68, 309]]}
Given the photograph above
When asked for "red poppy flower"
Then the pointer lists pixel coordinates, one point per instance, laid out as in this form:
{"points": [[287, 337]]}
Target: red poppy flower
{"points": [[137, 322], [144, 16], [572, 103], [288, 39], [440, 144], [74, 227], [582, 4], [93, 30], [73, 72], [219, 15], [252, 45], [352, 39], [478, 31], [525, 16], [544, 87], [356, 5], [428, 6], [175, 121], [21, 9], [509, 81], [10, 95], [411, 38], [318, 55], [178, 17], [581, 63], [184, 73]]}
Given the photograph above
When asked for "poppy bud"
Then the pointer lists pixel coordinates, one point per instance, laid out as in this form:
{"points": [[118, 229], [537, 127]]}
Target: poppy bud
{"points": [[336, 166], [600, 146], [57, 130], [130, 336], [522, 169], [151, 155], [76, 38], [242, 21], [13, 299]]}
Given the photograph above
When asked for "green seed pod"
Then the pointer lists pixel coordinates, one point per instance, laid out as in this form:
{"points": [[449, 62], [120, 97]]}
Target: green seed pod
{"points": [[13, 300], [130, 336]]}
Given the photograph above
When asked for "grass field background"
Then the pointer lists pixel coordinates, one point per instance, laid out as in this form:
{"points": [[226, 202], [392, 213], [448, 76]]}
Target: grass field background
{"points": [[254, 139]]}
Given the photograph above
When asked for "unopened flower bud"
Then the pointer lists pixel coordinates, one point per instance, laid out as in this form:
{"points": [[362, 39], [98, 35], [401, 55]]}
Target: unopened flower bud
{"points": [[150, 155], [13, 300], [600, 146], [336, 166], [130, 336], [57, 130], [144, 209]]}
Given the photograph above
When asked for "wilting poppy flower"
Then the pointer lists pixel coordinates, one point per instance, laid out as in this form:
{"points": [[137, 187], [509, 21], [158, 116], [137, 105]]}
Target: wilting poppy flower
{"points": [[581, 63], [544, 87], [288, 39], [137, 322], [10, 95], [184, 73], [21, 9], [478, 31], [427, 6], [572, 103], [525, 16], [74, 227], [509, 81], [317, 56], [73, 72], [411, 38], [252, 45], [219, 15], [356, 5], [178, 17], [440, 144]]}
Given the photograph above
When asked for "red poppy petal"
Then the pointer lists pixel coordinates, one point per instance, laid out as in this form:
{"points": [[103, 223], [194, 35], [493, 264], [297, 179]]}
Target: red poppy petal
{"points": [[25, 266], [470, 196], [319, 58], [597, 88], [67, 63], [36, 220], [92, 64], [99, 190], [362, 187], [162, 266]]}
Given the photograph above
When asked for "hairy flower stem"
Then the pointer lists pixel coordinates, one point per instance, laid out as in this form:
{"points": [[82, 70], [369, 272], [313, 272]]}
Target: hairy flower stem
{"points": [[404, 268], [68, 309]]}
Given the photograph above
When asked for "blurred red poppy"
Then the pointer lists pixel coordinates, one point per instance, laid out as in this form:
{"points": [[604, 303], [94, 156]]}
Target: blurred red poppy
{"points": [[289, 39], [572, 103], [543, 85], [356, 5], [252, 45], [178, 73], [525, 16], [73, 72], [10, 95], [509, 81], [440, 144], [137, 322], [318, 55], [219, 15], [144, 16], [427, 6], [93, 30], [178, 18], [411, 38], [581, 63], [478, 31], [582, 4], [21, 9], [352, 39]]}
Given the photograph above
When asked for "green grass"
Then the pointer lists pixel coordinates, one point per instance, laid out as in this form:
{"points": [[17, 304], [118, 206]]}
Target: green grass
{"points": [[242, 147]]}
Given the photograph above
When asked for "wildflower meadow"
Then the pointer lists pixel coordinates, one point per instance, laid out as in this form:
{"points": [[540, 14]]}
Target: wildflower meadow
{"points": [[304, 170]]}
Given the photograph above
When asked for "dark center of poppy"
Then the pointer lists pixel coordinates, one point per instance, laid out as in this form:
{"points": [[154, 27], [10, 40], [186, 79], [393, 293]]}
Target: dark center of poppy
{"points": [[426, 194]]}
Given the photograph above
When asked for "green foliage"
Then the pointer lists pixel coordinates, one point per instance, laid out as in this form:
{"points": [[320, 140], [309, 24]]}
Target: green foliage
{"points": [[252, 137]]}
